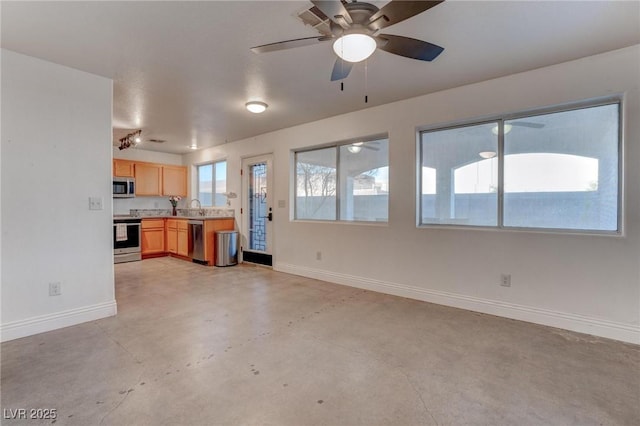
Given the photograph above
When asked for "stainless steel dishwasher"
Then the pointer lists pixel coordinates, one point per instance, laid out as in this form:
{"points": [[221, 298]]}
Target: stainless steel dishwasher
{"points": [[196, 248]]}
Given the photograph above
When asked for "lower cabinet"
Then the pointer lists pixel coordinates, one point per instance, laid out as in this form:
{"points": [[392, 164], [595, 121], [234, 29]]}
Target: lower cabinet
{"points": [[183, 242], [210, 228], [178, 236], [152, 236], [162, 236]]}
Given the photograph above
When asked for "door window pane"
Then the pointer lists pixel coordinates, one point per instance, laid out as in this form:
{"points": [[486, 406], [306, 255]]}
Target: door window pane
{"points": [[316, 184], [561, 170], [459, 178]]}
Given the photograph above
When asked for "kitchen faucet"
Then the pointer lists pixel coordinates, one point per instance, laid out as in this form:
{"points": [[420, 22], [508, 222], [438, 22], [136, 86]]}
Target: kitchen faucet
{"points": [[200, 210]]}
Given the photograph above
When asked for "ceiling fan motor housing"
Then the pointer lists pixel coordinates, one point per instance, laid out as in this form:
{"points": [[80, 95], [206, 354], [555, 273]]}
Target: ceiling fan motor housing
{"points": [[360, 14]]}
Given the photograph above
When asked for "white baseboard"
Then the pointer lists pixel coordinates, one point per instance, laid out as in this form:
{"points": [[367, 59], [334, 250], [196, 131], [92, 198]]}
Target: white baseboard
{"points": [[582, 324], [40, 324]]}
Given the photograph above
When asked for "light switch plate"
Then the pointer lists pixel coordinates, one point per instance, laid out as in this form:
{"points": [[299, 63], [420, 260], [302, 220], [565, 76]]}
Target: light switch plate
{"points": [[282, 204], [95, 203]]}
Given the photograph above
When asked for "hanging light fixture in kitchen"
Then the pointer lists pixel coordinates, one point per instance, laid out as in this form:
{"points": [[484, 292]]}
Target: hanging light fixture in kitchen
{"points": [[132, 139]]}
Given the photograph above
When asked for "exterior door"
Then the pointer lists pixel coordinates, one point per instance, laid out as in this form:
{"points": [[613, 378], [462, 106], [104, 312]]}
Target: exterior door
{"points": [[257, 210]]}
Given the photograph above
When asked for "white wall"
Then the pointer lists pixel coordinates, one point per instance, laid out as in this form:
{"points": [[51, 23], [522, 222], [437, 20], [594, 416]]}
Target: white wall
{"points": [[56, 153], [585, 283]]}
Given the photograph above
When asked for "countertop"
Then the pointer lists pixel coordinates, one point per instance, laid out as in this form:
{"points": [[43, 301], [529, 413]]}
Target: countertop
{"points": [[187, 217]]}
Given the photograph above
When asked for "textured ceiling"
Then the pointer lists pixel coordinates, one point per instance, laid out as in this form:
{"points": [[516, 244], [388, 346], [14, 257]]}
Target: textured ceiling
{"points": [[183, 71]]}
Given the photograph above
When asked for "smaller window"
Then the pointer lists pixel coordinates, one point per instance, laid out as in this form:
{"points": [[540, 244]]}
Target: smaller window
{"points": [[347, 182], [212, 183]]}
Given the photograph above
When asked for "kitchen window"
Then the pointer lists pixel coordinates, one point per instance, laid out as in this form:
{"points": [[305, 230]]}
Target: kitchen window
{"points": [[348, 181], [212, 183], [553, 171]]}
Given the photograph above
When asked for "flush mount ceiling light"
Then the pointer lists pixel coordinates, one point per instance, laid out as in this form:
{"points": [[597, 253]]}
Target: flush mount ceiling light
{"points": [[354, 47], [256, 107], [132, 139]]}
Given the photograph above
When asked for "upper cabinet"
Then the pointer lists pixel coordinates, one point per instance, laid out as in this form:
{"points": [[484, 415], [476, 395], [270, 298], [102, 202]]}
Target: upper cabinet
{"points": [[148, 179], [153, 179], [123, 168], [174, 180]]}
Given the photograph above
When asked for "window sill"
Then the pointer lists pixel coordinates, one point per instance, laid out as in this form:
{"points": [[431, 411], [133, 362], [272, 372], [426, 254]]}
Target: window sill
{"points": [[343, 222]]}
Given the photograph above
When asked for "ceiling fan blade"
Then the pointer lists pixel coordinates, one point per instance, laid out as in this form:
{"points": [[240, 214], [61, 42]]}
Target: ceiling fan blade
{"points": [[334, 10], [289, 44], [527, 124], [409, 47], [372, 148], [341, 69], [397, 11]]}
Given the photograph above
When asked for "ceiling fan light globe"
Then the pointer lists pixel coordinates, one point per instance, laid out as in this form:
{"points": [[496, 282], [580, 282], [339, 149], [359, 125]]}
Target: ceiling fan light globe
{"points": [[507, 128], [354, 47], [487, 154], [354, 149]]}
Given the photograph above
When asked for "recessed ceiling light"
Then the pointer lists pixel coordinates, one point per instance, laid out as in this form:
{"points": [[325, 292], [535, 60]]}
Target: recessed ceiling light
{"points": [[194, 147], [256, 107]]}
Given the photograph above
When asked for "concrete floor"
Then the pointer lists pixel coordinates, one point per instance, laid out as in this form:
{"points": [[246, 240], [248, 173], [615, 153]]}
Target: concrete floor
{"points": [[245, 345]]}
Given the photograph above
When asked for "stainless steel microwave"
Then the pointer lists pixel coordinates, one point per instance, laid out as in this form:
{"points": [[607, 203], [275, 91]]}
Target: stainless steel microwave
{"points": [[124, 187]]}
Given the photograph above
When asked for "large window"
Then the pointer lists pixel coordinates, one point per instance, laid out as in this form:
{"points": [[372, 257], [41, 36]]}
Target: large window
{"points": [[212, 184], [557, 170], [348, 181]]}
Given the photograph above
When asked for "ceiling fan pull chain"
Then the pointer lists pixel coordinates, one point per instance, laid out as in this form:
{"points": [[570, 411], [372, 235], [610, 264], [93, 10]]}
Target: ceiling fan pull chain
{"points": [[366, 73]]}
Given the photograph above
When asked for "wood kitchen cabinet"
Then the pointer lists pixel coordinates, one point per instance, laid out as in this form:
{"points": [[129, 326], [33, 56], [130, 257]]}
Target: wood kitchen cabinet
{"points": [[148, 179], [153, 179], [174, 180], [123, 168], [177, 234], [210, 228], [152, 236]]}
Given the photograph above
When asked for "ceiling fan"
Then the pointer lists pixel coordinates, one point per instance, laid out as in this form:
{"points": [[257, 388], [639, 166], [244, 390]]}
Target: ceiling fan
{"points": [[356, 147], [354, 29]]}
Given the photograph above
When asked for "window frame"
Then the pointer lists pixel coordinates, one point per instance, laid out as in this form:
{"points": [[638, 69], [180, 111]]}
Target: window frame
{"points": [[526, 114], [335, 145], [213, 183]]}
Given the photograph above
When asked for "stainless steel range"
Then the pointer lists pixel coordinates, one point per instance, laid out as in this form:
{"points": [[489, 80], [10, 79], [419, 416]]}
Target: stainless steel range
{"points": [[127, 236]]}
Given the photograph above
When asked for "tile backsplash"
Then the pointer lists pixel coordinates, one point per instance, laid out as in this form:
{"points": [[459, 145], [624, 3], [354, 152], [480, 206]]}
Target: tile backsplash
{"points": [[204, 212], [124, 205]]}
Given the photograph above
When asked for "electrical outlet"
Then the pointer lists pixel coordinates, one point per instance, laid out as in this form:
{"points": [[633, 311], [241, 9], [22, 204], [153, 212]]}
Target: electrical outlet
{"points": [[318, 255], [505, 280], [95, 203], [55, 288]]}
